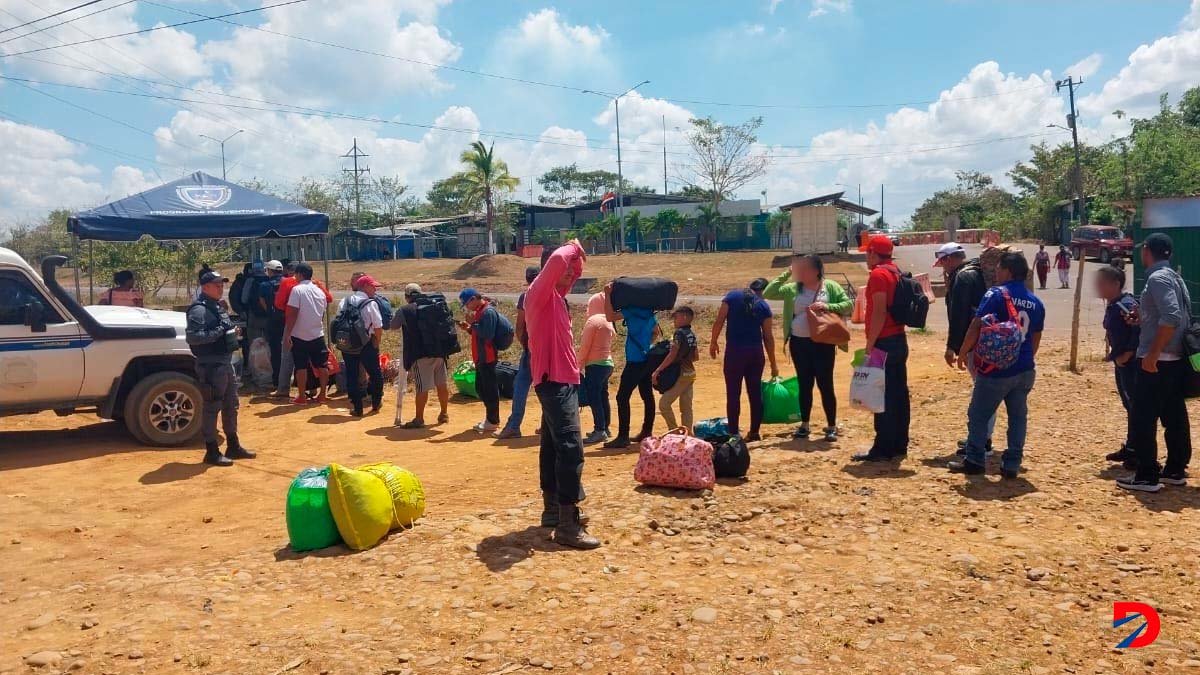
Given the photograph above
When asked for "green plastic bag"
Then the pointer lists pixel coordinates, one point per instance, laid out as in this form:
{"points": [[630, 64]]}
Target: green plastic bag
{"points": [[309, 521], [860, 357], [464, 379], [781, 400]]}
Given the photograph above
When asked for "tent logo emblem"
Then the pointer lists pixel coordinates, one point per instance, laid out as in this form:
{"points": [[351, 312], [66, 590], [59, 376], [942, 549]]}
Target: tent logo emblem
{"points": [[204, 196]]}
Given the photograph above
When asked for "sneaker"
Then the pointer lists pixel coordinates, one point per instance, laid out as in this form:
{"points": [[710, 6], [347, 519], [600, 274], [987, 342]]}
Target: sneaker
{"points": [[321, 399], [869, 457], [1175, 479], [1137, 485], [965, 467], [831, 435], [485, 427], [1008, 474], [506, 432], [443, 418], [617, 443], [802, 431], [1120, 455], [356, 412], [596, 437], [413, 424], [962, 448], [641, 437], [752, 437], [300, 400], [1129, 464]]}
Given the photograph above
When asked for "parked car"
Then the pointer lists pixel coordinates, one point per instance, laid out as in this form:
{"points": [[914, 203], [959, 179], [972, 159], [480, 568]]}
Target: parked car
{"points": [[1100, 241], [894, 238], [121, 363]]}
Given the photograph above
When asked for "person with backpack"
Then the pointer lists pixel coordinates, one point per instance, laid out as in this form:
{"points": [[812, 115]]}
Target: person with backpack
{"points": [[265, 306], [430, 337], [1121, 337], [286, 363], [523, 381], [304, 332], [357, 330], [555, 373], [1001, 346], [1164, 315], [486, 327], [965, 287], [887, 334], [641, 330], [749, 344]]}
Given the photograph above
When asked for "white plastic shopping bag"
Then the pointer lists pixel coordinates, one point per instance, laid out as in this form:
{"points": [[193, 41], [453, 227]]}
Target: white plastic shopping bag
{"points": [[867, 387]]}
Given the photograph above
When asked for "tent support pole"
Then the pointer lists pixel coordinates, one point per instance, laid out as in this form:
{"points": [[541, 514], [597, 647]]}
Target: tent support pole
{"points": [[75, 262], [91, 274], [328, 282]]}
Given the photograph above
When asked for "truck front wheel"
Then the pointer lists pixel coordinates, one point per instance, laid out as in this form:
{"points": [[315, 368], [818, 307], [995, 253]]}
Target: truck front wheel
{"points": [[164, 409], [1105, 256]]}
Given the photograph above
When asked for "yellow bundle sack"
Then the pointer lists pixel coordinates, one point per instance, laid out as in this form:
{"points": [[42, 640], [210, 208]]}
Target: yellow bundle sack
{"points": [[408, 497], [361, 506]]}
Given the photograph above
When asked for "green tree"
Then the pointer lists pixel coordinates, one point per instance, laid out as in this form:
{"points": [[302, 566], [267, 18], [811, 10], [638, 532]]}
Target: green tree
{"points": [[974, 199], [723, 156], [485, 176], [451, 197], [669, 220], [560, 184]]}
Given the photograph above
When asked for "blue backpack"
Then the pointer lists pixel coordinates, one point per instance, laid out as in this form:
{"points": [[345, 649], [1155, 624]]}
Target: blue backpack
{"points": [[1000, 340]]}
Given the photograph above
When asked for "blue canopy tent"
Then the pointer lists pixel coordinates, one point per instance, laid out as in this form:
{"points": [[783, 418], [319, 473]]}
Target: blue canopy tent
{"points": [[198, 206]]}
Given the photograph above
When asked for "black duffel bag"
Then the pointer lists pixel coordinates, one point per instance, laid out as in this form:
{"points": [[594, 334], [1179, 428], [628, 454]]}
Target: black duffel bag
{"points": [[506, 375], [653, 293], [731, 457]]}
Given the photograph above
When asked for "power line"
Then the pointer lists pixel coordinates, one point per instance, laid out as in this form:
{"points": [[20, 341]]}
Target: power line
{"points": [[830, 106], [121, 154], [50, 16], [63, 23], [154, 28]]}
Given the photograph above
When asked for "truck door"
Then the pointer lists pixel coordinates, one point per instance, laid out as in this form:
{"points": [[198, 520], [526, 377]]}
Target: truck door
{"points": [[41, 349]]}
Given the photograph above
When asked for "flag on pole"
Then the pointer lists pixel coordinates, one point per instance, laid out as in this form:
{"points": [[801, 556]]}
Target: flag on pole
{"points": [[607, 201]]}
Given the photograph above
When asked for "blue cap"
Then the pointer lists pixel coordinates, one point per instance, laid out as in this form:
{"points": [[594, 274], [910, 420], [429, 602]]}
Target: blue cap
{"points": [[467, 294]]}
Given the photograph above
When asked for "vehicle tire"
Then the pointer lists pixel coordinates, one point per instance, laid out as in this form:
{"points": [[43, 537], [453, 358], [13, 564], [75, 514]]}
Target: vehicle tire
{"points": [[1105, 256], [164, 409], [1077, 253]]}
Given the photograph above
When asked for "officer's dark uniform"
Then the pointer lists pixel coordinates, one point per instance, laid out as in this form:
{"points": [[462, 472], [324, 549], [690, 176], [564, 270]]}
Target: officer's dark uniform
{"points": [[211, 335]]}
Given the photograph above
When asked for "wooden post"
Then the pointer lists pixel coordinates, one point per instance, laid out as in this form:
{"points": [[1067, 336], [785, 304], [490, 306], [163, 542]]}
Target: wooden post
{"points": [[1075, 315]]}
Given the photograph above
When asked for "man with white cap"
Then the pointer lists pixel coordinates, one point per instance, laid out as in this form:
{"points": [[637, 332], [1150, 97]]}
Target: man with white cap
{"points": [[965, 287]]}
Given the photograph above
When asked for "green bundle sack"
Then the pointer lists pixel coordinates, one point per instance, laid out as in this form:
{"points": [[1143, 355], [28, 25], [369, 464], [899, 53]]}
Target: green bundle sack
{"points": [[310, 523], [781, 401], [464, 379]]}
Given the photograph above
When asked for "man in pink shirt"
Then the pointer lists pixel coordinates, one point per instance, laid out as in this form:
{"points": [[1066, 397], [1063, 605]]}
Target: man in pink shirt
{"points": [[555, 372]]}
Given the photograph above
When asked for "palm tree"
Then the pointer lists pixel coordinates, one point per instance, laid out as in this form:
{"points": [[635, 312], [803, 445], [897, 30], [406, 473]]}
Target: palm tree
{"points": [[485, 175]]}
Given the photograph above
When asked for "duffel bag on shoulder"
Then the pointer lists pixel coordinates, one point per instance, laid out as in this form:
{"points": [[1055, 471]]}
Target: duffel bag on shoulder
{"points": [[676, 460]]}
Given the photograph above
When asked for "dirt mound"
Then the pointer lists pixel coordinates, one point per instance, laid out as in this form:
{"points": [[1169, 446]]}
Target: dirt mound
{"points": [[486, 266]]}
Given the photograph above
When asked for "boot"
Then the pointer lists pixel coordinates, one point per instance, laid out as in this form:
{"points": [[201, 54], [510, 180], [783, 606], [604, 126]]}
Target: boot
{"points": [[571, 532], [236, 451], [212, 455], [550, 511]]}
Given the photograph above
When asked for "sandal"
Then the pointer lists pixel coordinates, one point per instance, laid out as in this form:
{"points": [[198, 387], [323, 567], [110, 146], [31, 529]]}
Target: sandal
{"points": [[413, 424], [443, 418]]}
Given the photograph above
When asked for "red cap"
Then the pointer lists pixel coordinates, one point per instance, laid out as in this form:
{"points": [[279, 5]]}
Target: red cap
{"points": [[880, 244], [364, 281]]}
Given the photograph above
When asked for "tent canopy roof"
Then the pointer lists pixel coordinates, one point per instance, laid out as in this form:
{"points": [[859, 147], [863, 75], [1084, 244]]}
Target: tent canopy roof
{"points": [[198, 206]]}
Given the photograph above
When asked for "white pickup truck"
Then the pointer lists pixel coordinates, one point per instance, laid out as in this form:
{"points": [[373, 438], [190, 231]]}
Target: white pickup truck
{"points": [[122, 363]]}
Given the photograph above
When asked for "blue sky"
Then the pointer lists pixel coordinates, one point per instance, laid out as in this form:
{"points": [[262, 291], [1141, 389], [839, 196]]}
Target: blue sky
{"points": [[836, 75]]}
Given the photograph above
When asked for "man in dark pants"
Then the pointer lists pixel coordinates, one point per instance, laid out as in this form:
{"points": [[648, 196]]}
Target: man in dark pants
{"points": [[274, 317], [887, 335], [965, 287], [367, 358], [481, 325], [641, 329], [213, 339], [1164, 313], [555, 368]]}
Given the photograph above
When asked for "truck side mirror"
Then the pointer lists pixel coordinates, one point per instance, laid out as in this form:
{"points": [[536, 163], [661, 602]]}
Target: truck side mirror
{"points": [[35, 317]]}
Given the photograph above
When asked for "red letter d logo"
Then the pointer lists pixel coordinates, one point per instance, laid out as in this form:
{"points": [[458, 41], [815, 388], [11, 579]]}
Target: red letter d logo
{"points": [[1146, 634]]}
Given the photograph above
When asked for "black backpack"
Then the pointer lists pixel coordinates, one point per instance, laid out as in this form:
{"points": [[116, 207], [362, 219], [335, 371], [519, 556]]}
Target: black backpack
{"points": [[731, 457], [349, 329], [505, 332], [435, 326], [910, 306]]}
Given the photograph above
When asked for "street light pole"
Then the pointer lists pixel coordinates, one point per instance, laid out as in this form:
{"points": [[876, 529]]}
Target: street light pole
{"points": [[620, 177], [222, 142]]}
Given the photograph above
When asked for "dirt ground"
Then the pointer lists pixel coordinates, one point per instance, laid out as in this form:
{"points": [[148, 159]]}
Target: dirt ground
{"points": [[121, 559], [706, 274]]}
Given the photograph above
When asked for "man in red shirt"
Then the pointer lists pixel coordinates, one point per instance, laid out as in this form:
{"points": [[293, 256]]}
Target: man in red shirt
{"points": [[887, 335]]}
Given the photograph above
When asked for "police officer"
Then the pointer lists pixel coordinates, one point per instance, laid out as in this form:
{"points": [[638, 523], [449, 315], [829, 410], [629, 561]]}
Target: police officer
{"points": [[213, 339]]}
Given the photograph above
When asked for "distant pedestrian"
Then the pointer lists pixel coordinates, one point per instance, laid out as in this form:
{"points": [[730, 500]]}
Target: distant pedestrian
{"points": [[1164, 313], [523, 381], [595, 355], [555, 372], [480, 324], [749, 345], [1010, 384], [1041, 262], [367, 358], [1121, 338], [213, 339], [887, 334], [304, 333], [1062, 263], [427, 369], [683, 353], [122, 293]]}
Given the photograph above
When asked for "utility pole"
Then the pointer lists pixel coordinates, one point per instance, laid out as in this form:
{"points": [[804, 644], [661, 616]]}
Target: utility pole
{"points": [[222, 142], [355, 154], [881, 220], [664, 121], [620, 179], [1080, 209]]}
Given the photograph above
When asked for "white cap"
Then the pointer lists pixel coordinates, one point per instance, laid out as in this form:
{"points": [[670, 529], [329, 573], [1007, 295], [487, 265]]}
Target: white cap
{"points": [[275, 265], [949, 249]]}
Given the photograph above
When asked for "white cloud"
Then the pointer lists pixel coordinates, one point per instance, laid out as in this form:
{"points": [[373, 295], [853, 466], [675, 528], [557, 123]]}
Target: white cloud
{"points": [[545, 41], [1086, 67], [40, 171], [822, 7], [296, 70], [772, 5], [1168, 65], [1192, 20]]}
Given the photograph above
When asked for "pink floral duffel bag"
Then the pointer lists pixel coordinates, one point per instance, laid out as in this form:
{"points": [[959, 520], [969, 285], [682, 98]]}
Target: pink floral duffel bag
{"points": [[676, 460]]}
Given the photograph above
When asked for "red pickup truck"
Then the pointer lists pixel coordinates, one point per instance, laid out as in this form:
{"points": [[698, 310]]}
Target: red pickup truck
{"points": [[1100, 241]]}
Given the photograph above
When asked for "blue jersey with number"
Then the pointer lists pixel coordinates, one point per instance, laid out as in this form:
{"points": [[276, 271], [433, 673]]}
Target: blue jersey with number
{"points": [[1032, 314]]}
